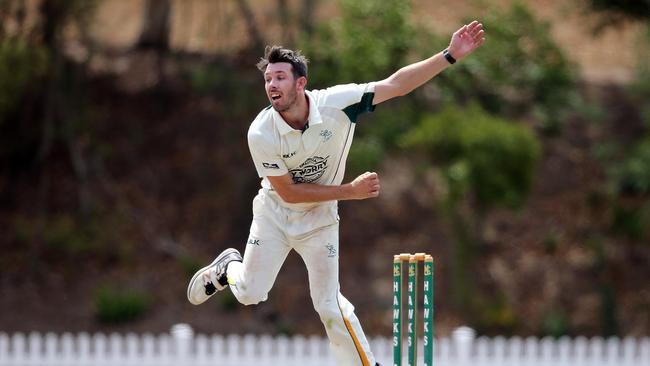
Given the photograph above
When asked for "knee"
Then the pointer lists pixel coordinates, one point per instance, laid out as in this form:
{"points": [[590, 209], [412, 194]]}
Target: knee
{"points": [[327, 309], [251, 298]]}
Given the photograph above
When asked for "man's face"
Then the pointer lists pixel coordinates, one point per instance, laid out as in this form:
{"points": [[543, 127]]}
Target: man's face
{"points": [[281, 87]]}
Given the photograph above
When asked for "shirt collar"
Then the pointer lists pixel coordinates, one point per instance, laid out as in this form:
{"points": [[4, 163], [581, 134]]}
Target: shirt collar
{"points": [[313, 119]]}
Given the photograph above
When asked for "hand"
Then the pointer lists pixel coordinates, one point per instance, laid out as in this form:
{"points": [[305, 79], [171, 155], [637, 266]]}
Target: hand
{"points": [[365, 186], [465, 40]]}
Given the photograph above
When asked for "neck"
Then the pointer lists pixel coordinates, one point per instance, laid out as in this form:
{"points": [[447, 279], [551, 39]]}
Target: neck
{"points": [[297, 115]]}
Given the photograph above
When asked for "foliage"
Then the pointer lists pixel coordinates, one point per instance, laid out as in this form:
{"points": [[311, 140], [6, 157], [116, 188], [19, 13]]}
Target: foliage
{"points": [[494, 315], [630, 175], [21, 64], [367, 43], [486, 158], [640, 87], [489, 156], [64, 237], [370, 41], [120, 306], [633, 175], [365, 154], [227, 302], [555, 323], [520, 71], [605, 282], [632, 221], [189, 264]]}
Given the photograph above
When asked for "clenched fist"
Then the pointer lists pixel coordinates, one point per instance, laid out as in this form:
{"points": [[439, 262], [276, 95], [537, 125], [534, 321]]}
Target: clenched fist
{"points": [[365, 186]]}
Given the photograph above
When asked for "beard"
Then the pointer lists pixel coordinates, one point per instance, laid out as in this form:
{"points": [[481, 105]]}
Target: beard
{"points": [[290, 101]]}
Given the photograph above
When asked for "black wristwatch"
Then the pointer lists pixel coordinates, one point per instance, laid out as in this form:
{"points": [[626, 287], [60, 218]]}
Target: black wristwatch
{"points": [[448, 57]]}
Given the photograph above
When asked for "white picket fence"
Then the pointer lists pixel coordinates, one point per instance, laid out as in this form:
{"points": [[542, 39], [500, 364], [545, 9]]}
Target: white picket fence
{"points": [[182, 348]]}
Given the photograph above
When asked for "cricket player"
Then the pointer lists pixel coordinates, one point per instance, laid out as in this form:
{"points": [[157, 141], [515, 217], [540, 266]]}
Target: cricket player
{"points": [[299, 145]]}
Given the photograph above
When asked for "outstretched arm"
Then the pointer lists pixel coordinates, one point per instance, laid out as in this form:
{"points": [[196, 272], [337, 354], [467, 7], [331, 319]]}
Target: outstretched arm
{"points": [[463, 42]]}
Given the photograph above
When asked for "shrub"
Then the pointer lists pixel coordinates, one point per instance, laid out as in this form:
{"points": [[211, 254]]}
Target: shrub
{"points": [[555, 323], [365, 154], [120, 306], [520, 72], [20, 64], [633, 176], [368, 42], [492, 157]]}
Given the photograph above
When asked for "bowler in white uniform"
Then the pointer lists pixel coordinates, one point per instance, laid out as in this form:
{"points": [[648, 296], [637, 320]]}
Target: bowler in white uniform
{"points": [[299, 145]]}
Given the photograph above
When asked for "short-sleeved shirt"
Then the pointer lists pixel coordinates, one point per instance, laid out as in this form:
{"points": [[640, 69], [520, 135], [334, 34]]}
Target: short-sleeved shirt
{"points": [[316, 154]]}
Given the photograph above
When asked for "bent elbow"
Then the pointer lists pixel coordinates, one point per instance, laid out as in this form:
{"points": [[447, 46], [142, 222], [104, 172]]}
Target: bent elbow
{"points": [[288, 197], [291, 199]]}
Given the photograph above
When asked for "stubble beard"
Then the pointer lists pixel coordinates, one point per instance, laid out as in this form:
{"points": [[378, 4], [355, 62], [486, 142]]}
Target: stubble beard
{"points": [[291, 101]]}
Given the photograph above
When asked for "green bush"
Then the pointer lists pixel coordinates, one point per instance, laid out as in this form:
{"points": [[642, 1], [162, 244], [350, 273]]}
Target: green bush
{"points": [[492, 157], [67, 238], [555, 323], [632, 221], [189, 264], [21, 64], [633, 175], [368, 42], [520, 71], [120, 306], [640, 87], [365, 154]]}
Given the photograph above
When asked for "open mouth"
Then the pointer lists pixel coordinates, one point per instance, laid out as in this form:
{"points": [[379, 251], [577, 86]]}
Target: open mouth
{"points": [[275, 96]]}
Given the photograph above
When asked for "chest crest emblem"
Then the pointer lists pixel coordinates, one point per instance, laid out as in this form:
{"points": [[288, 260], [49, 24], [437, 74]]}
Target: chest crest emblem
{"points": [[326, 135]]}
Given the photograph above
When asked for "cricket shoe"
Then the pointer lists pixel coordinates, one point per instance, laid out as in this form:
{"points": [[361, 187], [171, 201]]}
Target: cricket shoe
{"points": [[211, 278]]}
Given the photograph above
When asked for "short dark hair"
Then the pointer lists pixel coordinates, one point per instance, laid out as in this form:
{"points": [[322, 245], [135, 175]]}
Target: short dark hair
{"points": [[275, 54]]}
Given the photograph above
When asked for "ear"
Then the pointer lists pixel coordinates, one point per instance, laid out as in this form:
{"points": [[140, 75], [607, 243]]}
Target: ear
{"points": [[301, 83]]}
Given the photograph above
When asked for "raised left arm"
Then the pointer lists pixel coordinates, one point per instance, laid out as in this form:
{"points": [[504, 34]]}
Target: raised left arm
{"points": [[463, 42]]}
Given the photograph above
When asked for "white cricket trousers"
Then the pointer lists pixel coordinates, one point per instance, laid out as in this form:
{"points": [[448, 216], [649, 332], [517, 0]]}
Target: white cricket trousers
{"points": [[314, 235]]}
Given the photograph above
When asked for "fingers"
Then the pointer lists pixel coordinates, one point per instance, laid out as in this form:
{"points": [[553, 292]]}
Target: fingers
{"points": [[474, 25], [371, 183], [479, 41], [472, 29], [370, 174], [477, 31], [374, 191]]}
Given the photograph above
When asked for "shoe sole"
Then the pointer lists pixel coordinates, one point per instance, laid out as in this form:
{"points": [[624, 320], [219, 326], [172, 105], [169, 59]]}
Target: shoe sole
{"points": [[198, 273]]}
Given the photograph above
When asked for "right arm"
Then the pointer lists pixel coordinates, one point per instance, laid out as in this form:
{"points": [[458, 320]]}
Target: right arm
{"points": [[269, 164], [364, 186]]}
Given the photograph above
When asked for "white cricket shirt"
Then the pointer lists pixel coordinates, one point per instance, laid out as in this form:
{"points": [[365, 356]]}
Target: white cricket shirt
{"points": [[317, 154]]}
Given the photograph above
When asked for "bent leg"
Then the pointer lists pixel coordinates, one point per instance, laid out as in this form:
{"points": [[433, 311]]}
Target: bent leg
{"points": [[251, 280], [347, 340]]}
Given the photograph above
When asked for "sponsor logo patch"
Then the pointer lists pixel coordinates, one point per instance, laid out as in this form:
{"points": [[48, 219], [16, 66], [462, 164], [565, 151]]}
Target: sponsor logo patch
{"points": [[311, 170], [270, 166]]}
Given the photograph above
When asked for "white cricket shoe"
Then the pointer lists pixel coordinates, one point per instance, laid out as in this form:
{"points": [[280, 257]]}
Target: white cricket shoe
{"points": [[211, 278]]}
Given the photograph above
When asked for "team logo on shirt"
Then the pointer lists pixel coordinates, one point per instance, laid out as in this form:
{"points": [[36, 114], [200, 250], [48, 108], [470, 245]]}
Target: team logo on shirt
{"points": [[311, 170], [326, 135], [331, 250]]}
